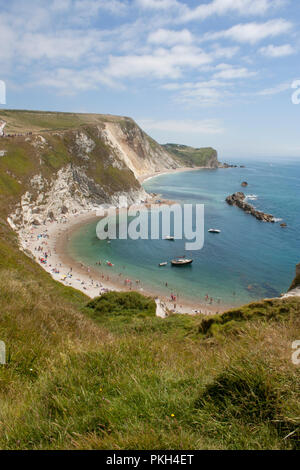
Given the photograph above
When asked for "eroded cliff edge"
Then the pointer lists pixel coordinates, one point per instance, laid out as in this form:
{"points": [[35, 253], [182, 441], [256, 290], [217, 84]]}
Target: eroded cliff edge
{"points": [[57, 163]]}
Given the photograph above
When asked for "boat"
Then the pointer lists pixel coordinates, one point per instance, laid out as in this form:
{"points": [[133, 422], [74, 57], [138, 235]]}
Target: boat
{"points": [[214, 230], [163, 264], [169, 238], [181, 262]]}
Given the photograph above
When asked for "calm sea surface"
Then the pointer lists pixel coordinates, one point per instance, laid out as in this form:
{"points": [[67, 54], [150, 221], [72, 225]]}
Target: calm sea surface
{"points": [[249, 260]]}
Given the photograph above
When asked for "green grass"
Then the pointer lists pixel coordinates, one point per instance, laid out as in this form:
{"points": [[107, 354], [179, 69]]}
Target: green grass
{"points": [[122, 304], [108, 374], [275, 309], [19, 121], [189, 156]]}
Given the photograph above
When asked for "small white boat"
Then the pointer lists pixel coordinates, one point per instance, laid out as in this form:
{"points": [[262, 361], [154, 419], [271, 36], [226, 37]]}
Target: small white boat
{"points": [[214, 230], [169, 238], [163, 264]]}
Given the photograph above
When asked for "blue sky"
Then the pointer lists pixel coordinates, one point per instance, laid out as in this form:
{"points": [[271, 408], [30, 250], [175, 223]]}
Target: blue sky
{"points": [[203, 73]]}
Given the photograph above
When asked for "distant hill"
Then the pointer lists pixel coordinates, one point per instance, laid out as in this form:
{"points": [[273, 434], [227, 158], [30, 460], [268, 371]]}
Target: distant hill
{"points": [[190, 156]]}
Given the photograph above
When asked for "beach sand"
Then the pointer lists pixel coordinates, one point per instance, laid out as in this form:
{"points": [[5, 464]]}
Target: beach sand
{"points": [[48, 245], [144, 178]]}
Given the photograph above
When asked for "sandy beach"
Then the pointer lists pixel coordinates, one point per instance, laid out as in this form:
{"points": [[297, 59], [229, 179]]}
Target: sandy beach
{"points": [[48, 245], [144, 178]]}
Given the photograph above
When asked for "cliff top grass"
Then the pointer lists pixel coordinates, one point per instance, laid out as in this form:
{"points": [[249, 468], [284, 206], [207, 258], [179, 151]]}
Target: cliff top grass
{"points": [[21, 121], [191, 156]]}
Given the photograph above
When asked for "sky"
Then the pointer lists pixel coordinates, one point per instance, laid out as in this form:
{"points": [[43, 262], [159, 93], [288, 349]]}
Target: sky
{"points": [[203, 73]]}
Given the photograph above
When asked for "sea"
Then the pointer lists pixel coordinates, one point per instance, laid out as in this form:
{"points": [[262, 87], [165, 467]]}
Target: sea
{"points": [[249, 260]]}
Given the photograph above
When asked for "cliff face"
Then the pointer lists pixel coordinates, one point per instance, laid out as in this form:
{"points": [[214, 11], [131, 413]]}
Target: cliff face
{"points": [[136, 149], [296, 281], [54, 163], [189, 156]]}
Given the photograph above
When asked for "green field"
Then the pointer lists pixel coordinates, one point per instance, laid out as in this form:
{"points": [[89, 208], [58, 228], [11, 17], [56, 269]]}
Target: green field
{"points": [[190, 156]]}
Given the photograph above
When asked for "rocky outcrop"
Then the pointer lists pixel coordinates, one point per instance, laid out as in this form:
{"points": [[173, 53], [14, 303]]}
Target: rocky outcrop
{"points": [[227, 165], [70, 192], [2, 126], [238, 199]]}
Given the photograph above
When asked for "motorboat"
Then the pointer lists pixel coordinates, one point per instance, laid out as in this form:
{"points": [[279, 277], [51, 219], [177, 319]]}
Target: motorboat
{"points": [[169, 238], [214, 230], [163, 264]]}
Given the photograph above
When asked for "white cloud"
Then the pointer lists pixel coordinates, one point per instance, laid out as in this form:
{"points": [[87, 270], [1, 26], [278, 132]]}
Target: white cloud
{"points": [[223, 7], [162, 63], [204, 93], [228, 72], [253, 32], [277, 51], [70, 81], [206, 126], [92, 7], [201, 96], [214, 7], [157, 4], [276, 89], [170, 38], [71, 45], [88, 8], [224, 52]]}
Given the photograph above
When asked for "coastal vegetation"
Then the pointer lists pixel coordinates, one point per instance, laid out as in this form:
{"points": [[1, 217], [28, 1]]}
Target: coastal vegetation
{"points": [[190, 156], [107, 373]]}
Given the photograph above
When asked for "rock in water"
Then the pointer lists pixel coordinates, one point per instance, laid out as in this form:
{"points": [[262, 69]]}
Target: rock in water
{"points": [[238, 199]]}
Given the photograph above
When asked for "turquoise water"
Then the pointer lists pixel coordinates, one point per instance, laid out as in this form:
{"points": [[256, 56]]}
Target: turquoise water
{"points": [[249, 260]]}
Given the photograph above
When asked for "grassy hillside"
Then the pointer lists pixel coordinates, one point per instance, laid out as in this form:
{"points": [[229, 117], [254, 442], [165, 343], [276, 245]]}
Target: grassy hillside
{"points": [[189, 156], [37, 121], [108, 374]]}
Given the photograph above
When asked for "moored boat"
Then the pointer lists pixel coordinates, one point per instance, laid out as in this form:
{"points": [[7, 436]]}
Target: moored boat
{"points": [[214, 230], [181, 262], [169, 238], [163, 264]]}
